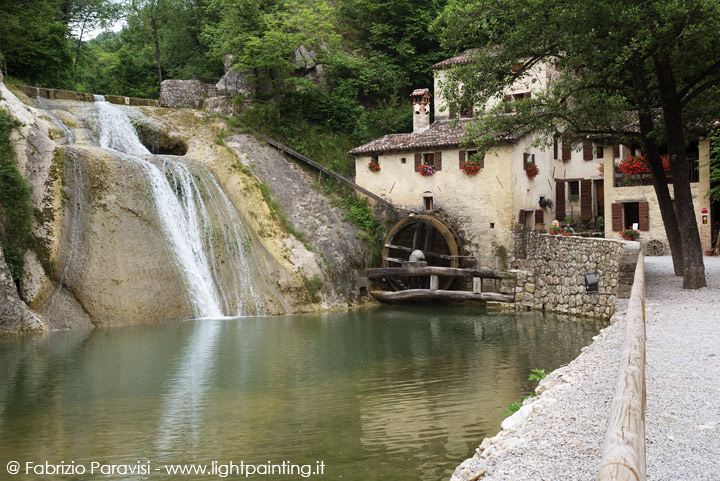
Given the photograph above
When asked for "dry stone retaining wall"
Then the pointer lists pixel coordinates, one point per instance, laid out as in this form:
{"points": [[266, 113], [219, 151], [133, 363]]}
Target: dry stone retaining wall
{"points": [[552, 275], [58, 94], [183, 93]]}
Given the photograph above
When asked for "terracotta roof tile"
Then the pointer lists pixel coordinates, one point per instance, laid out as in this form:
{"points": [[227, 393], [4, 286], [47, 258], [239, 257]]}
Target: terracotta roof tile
{"points": [[420, 92], [442, 133], [463, 58]]}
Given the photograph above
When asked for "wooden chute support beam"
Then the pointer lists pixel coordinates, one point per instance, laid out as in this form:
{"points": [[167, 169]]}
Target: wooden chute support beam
{"points": [[439, 294]]}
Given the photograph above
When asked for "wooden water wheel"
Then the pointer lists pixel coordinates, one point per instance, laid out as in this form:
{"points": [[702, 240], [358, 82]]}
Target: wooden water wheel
{"points": [[420, 232], [654, 248]]}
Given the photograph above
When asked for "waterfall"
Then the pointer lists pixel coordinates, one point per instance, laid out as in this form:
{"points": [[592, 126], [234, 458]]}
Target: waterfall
{"points": [[197, 219]]}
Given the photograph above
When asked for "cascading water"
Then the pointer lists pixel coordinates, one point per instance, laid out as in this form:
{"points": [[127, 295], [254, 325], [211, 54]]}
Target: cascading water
{"points": [[181, 195]]}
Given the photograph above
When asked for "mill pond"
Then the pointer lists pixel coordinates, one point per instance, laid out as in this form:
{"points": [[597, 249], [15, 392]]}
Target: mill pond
{"points": [[385, 393]]}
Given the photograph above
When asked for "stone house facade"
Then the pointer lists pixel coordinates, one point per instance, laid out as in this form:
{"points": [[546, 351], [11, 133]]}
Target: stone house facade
{"points": [[423, 171]]}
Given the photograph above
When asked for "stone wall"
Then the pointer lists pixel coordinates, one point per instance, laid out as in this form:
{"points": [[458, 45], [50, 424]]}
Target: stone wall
{"points": [[552, 276], [58, 94], [183, 93]]}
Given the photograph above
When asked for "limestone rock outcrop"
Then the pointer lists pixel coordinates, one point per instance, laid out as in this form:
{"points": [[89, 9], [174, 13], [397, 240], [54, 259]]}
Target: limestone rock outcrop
{"points": [[14, 315]]}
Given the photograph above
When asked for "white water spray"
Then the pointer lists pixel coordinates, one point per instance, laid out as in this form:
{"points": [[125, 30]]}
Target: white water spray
{"points": [[178, 208]]}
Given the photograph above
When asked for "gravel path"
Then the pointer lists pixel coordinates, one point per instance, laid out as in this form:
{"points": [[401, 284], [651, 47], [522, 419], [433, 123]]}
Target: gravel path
{"points": [[560, 434], [683, 374]]}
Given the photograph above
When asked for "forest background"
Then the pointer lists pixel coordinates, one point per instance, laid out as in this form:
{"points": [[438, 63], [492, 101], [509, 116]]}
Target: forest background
{"points": [[374, 53]]}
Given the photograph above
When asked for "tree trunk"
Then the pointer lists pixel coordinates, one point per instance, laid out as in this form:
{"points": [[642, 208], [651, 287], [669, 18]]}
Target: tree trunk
{"points": [[660, 183], [78, 46], [694, 268], [153, 24]]}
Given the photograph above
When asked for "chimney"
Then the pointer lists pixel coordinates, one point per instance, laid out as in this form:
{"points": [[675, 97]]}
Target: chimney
{"points": [[421, 109]]}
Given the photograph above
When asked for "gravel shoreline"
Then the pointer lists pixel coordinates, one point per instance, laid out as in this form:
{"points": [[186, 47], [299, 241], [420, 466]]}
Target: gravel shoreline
{"points": [[559, 435]]}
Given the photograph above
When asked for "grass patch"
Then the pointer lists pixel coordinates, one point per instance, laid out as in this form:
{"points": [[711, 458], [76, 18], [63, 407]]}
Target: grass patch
{"points": [[313, 287], [242, 168], [220, 139], [360, 215]]}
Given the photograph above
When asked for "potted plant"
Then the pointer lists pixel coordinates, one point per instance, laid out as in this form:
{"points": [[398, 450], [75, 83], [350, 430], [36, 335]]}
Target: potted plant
{"points": [[555, 229], [566, 232], [518, 226], [629, 234], [374, 166], [539, 226]]}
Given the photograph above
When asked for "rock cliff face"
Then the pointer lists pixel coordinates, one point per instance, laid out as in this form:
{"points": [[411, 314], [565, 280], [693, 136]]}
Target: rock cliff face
{"points": [[335, 242], [14, 315], [106, 260]]}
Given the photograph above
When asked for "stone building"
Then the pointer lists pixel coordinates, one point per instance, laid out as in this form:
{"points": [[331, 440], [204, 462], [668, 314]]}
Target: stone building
{"points": [[423, 171]]}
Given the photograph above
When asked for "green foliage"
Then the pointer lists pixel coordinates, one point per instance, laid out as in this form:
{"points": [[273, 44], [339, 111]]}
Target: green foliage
{"points": [[360, 214], [514, 407], [34, 42], [220, 139], [16, 212], [313, 287], [535, 375], [263, 35], [714, 192], [395, 36]]}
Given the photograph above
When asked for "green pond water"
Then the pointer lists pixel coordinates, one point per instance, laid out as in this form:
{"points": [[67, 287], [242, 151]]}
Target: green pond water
{"points": [[387, 393]]}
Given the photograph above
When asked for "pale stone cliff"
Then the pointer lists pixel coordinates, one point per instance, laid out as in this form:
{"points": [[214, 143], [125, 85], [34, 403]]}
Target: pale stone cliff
{"points": [[104, 261]]}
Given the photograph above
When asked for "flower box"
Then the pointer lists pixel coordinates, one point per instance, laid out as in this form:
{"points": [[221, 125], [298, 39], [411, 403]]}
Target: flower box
{"points": [[426, 169], [532, 169]]}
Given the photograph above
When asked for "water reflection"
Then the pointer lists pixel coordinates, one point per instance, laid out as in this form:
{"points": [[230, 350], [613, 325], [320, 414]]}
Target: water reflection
{"points": [[377, 394]]}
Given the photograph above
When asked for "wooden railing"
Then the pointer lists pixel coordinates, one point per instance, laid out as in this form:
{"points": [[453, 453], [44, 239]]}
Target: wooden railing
{"points": [[623, 456], [325, 170]]}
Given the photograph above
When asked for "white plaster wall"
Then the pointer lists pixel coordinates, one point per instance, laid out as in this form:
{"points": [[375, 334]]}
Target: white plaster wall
{"points": [[439, 99], [647, 194], [481, 207], [536, 79], [577, 168], [526, 190]]}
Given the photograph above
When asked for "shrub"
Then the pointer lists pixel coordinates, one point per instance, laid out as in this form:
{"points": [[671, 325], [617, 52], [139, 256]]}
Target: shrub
{"points": [[16, 211]]}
